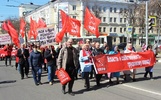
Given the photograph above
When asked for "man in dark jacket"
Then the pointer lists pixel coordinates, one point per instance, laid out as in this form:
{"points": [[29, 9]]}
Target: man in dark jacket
{"points": [[68, 59], [36, 61], [51, 56], [95, 52], [23, 55]]}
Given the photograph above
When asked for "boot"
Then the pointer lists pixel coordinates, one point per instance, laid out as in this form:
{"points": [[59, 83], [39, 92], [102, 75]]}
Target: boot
{"points": [[63, 89], [151, 75]]}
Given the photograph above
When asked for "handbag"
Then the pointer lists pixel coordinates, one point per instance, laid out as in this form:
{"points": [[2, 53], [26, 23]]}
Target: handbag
{"points": [[63, 76]]}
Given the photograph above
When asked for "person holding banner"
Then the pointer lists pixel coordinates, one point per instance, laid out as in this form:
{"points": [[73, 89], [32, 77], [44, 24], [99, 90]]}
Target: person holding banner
{"points": [[150, 68], [68, 59], [97, 51], [115, 74], [129, 49], [107, 51], [85, 63]]}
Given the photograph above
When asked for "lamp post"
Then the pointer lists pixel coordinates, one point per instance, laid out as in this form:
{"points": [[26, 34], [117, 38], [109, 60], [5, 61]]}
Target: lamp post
{"points": [[146, 21]]}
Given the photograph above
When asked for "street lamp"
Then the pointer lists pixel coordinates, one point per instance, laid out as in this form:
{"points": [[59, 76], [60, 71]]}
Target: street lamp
{"points": [[146, 21]]}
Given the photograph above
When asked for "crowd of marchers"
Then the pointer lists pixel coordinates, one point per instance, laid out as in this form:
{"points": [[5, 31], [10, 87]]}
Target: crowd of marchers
{"points": [[77, 62]]}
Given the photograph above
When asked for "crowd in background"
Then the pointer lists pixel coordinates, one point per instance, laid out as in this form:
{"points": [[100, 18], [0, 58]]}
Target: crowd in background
{"points": [[77, 61]]}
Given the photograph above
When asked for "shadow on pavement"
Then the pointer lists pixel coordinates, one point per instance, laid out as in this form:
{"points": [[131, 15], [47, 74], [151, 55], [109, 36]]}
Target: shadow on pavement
{"points": [[9, 81]]}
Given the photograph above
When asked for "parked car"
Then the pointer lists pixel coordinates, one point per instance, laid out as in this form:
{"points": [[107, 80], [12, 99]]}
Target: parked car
{"points": [[122, 46]]}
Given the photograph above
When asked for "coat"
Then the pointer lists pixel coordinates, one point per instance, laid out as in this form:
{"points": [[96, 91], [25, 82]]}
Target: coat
{"points": [[21, 56], [85, 67], [63, 56]]}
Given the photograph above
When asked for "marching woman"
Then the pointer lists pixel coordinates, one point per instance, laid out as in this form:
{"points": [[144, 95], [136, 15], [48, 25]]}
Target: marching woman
{"points": [[150, 68], [85, 64], [116, 74], [113, 74]]}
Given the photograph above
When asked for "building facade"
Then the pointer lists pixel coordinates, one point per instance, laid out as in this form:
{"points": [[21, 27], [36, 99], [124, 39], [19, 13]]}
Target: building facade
{"points": [[113, 24]]}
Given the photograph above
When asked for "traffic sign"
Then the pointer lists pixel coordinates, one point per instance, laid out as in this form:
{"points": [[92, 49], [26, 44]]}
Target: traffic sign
{"points": [[129, 29]]}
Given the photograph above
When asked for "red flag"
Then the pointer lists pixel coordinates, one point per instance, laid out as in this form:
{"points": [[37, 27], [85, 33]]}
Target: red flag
{"points": [[41, 24], [4, 26], [22, 26], [13, 34], [29, 35], [60, 35], [10, 23], [91, 23], [33, 28], [74, 27]]}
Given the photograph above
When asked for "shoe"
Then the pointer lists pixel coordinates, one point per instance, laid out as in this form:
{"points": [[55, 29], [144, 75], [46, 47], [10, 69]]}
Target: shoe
{"points": [[36, 84], [22, 78], [110, 82], [50, 83], [40, 83], [133, 80], [63, 91], [88, 89], [98, 84], [117, 82], [27, 76], [71, 93]]}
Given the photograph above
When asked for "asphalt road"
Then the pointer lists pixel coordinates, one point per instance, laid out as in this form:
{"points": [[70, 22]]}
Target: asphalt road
{"points": [[13, 88]]}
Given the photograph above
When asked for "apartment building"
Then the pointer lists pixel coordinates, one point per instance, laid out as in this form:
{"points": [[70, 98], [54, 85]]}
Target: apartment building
{"points": [[113, 24]]}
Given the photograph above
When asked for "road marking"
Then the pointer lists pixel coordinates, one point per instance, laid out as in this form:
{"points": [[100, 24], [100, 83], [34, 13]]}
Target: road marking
{"points": [[156, 93]]}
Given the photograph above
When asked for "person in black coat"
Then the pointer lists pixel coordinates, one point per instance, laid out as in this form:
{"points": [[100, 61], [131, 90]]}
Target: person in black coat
{"points": [[95, 52], [51, 56], [23, 55]]}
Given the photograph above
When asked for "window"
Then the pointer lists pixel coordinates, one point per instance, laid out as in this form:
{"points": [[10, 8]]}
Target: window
{"points": [[100, 9], [111, 29], [110, 9], [120, 30], [74, 17], [139, 30], [114, 39], [74, 7], [104, 19], [124, 20], [104, 29], [100, 29], [114, 29], [125, 10], [124, 29], [121, 10], [104, 9], [115, 20], [120, 20], [110, 19], [115, 10]]}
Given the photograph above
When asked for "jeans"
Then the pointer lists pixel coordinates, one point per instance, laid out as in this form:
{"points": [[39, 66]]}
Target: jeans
{"points": [[19, 68], [36, 72], [86, 77], [51, 73]]}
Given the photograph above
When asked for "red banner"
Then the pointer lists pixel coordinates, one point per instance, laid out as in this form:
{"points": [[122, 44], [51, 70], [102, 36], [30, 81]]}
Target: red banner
{"points": [[120, 62]]}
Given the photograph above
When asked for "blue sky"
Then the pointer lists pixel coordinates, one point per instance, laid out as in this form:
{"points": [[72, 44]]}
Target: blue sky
{"points": [[6, 12]]}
